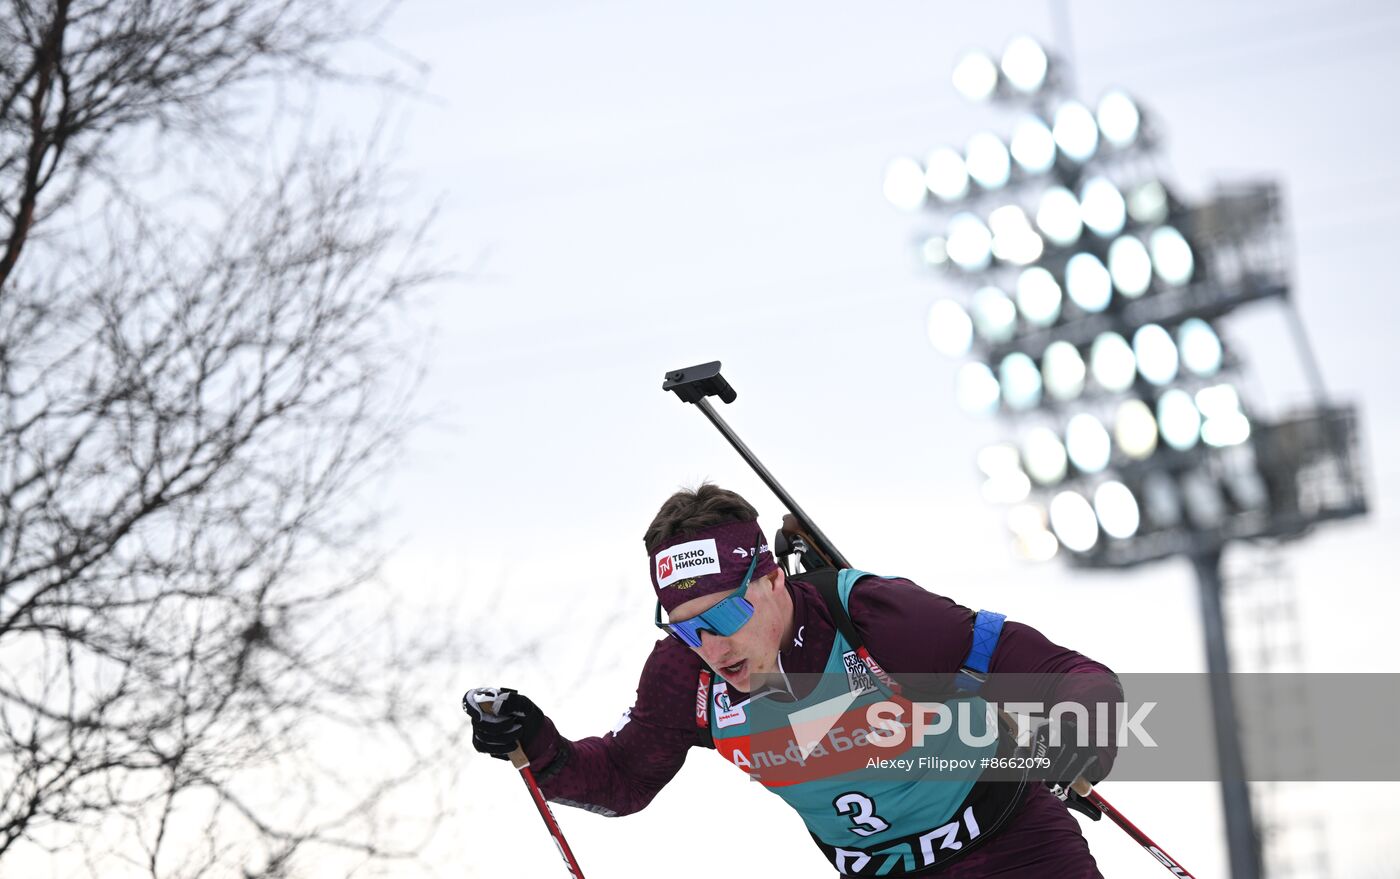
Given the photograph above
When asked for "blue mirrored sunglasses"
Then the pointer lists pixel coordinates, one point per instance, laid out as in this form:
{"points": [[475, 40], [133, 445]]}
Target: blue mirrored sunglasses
{"points": [[724, 619]]}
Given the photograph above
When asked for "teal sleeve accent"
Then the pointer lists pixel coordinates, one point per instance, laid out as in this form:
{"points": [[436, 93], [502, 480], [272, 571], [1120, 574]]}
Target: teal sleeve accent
{"points": [[844, 581]]}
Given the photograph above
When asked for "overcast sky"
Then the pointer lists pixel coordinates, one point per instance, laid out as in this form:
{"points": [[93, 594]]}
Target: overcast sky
{"points": [[635, 187]]}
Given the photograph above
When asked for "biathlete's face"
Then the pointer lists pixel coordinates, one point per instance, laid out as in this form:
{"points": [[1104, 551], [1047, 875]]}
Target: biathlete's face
{"points": [[753, 649]]}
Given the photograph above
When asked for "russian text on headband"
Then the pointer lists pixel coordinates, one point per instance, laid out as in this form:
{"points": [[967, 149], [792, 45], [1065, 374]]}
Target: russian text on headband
{"points": [[710, 560]]}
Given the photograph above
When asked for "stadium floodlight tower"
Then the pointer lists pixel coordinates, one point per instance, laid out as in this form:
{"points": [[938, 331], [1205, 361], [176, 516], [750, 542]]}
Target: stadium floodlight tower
{"points": [[1088, 317]]}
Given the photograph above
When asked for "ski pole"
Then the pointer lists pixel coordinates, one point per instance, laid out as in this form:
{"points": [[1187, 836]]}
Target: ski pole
{"points": [[1085, 790], [693, 384], [522, 763]]}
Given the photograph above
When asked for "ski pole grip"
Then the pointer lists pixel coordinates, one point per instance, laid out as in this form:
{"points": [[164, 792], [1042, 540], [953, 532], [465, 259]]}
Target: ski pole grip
{"points": [[1081, 786], [517, 757]]}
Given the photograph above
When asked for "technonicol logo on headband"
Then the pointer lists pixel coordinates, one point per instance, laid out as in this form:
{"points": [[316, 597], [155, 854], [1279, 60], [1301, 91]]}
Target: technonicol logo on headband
{"points": [[693, 559]]}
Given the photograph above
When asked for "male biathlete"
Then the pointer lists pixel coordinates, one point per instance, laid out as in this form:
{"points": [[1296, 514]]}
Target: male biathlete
{"points": [[736, 623]]}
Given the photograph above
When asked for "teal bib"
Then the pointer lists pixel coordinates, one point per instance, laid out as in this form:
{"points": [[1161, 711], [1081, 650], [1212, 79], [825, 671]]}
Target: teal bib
{"points": [[874, 810]]}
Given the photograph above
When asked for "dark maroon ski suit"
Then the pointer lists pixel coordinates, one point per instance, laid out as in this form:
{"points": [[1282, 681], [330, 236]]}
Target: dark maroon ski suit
{"points": [[908, 631]]}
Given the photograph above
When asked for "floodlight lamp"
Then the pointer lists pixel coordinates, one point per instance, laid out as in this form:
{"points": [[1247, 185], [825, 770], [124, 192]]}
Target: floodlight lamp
{"points": [[1025, 517], [1135, 429], [1074, 521], [1161, 500], [1020, 381], [1118, 119], [1024, 249], [1218, 401], [904, 184], [1204, 504], [1025, 64], [1171, 256], [1117, 510], [988, 162], [1130, 266], [1045, 457], [1058, 216], [1147, 203], [934, 251], [998, 460], [978, 391], [993, 315], [1156, 354], [1033, 146], [1111, 362], [949, 328], [1247, 488], [1009, 489], [975, 76], [1013, 239], [1087, 443], [1178, 419], [1076, 132], [1225, 423], [1038, 296], [1201, 351], [1227, 431], [1064, 370], [1007, 219], [1006, 482], [1029, 523], [1088, 282], [946, 174], [1102, 208], [969, 242]]}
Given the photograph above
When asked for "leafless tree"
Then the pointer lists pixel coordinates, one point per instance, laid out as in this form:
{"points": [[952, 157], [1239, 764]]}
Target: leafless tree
{"points": [[196, 378]]}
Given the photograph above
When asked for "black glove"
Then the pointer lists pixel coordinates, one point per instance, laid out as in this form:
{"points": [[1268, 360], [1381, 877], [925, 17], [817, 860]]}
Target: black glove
{"points": [[501, 719], [1067, 761], [1082, 806]]}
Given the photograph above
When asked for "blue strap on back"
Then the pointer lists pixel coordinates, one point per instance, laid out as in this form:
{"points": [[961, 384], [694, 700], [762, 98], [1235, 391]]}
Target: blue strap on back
{"points": [[986, 631]]}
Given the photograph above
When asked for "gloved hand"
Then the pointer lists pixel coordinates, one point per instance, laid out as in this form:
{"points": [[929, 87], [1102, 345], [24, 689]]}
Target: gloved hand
{"points": [[1074, 801], [1058, 766], [1068, 760], [501, 719]]}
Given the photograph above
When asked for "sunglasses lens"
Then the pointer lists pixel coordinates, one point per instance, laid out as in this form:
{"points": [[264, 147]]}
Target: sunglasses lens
{"points": [[728, 616], [688, 635], [724, 619]]}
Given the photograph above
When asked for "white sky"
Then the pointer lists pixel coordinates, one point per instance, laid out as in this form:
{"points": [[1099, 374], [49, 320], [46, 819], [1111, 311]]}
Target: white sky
{"points": [[640, 187]]}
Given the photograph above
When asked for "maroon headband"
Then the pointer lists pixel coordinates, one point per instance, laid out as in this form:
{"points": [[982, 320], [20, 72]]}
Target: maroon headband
{"points": [[707, 561]]}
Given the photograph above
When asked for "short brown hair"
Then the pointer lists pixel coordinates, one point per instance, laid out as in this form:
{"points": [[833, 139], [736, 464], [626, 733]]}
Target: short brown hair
{"points": [[687, 510]]}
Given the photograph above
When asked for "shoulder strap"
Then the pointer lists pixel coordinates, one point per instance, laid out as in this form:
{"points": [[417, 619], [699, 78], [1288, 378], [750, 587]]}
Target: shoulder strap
{"points": [[826, 582]]}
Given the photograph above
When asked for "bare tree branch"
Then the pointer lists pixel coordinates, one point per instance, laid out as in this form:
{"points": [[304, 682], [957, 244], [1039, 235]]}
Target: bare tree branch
{"points": [[190, 401]]}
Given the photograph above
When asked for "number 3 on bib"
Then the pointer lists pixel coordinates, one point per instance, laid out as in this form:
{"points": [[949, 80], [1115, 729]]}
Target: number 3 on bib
{"points": [[862, 811]]}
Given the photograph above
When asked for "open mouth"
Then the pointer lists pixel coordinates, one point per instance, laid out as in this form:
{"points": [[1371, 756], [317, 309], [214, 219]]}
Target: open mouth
{"points": [[737, 668]]}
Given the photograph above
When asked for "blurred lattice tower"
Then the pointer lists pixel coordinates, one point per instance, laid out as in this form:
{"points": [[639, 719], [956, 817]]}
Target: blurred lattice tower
{"points": [[1056, 365], [1266, 637]]}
